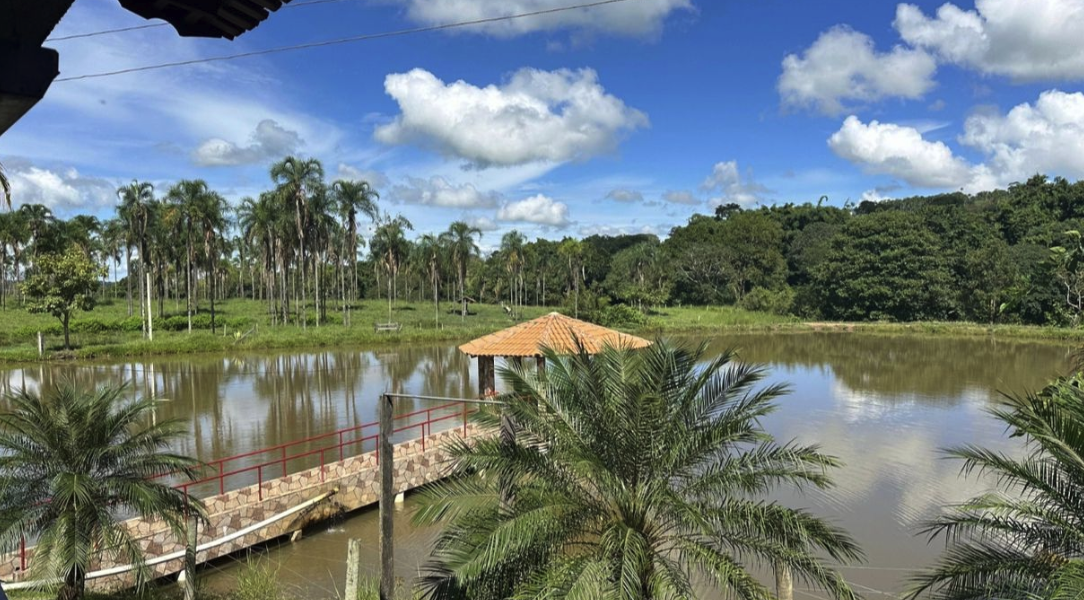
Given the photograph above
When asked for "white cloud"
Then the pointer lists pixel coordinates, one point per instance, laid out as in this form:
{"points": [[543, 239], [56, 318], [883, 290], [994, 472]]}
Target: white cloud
{"points": [[269, 142], [890, 149], [1044, 137], [681, 197], [483, 223], [727, 180], [63, 190], [639, 18], [873, 195], [843, 66], [617, 230], [437, 191], [625, 195], [1026, 40], [535, 116], [540, 209], [376, 179]]}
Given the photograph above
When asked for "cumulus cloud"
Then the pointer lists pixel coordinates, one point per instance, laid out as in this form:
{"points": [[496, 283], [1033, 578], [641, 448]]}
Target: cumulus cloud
{"points": [[437, 191], [61, 190], [843, 67], [540, 209], [1025, 40], [681, 197], [351, 173], [640, 18], [270, 141], [726, 180], [534, 117], [899, 151], [1044, 137], [625, 195]]}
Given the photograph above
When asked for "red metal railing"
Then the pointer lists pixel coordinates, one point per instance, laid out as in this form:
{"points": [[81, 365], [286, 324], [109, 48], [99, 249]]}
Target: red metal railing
{"points": [[258, 466], [285, 463]]}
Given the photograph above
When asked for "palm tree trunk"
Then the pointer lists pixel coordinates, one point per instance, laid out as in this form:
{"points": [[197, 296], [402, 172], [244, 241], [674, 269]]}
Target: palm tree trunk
{"points": [[128, 265]]}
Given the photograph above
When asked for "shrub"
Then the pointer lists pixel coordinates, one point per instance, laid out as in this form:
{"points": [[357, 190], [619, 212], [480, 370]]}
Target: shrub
{"points": [[779, 302], [621, 315], [257, 581]]}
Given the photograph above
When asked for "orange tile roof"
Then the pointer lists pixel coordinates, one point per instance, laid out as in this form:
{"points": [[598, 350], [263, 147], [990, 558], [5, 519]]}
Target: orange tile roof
{"points": [[554, 331]]}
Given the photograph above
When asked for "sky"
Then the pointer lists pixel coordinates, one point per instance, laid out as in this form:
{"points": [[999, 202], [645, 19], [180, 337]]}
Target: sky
{"points": [[623, 118]]}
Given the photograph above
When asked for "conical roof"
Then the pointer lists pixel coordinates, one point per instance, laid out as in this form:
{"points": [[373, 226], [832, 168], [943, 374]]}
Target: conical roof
{"points": [[555, 331]]}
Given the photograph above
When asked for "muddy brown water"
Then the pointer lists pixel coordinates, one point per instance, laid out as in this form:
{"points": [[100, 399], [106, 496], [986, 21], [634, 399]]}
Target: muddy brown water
{"points": [[886, 406]]}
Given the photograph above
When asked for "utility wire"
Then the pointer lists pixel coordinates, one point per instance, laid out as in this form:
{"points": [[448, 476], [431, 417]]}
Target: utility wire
{"points": [[346, 40], [76, 36]]}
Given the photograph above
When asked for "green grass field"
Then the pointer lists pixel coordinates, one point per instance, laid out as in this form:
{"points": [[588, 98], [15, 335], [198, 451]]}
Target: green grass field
{"points": [[108, 332]]}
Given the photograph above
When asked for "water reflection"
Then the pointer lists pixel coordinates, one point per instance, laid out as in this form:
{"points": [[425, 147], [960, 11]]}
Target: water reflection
{"points": [[886, 406]]}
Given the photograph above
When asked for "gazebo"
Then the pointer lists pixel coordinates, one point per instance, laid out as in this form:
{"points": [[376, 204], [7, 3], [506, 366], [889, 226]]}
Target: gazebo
{"points": [[526, 340]]}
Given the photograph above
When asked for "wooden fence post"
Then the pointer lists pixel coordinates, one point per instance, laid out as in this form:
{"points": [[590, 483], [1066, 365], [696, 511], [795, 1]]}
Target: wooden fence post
{"points": [[353, 563], [387, 499]]}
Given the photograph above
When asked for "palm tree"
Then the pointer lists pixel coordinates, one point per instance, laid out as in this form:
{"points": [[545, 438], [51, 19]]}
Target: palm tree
{"points": [[113, 236], [296, 178], [38, 219], [5, 187], [186, 197], [136, 210], [572, 250], [462, 247], [430, 251], [355, 197], [74, 464], [208, 214], [1016, 542], [632, 474], [512, 249], [390, 247]]}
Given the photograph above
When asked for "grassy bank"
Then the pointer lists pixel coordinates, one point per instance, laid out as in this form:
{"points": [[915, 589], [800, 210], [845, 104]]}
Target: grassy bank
{"points": [[108, 332]]}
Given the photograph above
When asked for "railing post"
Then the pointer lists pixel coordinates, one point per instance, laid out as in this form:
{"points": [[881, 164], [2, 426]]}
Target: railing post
{"points": [[22, 554], [341, 446], [259, 481], [321, 466], [464, 420], [284, 461], [221, 479]]}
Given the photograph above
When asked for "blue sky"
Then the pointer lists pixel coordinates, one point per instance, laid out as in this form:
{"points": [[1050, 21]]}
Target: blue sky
{"points": [[622, 118]]}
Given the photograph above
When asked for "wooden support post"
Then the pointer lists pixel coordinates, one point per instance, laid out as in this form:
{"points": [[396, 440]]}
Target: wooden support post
{"points": [[387, 498], [487, 376], [784, 583], [191, 544], [353, 563]]}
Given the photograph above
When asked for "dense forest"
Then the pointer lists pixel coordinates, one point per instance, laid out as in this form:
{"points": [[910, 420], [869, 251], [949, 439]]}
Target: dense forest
{"points": [[1008, 256]]}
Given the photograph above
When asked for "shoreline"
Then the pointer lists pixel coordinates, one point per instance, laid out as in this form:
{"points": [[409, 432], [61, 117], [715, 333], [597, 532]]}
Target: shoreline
{"points": [[337, 336]]}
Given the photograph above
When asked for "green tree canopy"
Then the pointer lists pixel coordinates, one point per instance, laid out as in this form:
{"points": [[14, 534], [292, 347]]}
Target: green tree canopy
{"points": [[884, 265], [60, 284]]}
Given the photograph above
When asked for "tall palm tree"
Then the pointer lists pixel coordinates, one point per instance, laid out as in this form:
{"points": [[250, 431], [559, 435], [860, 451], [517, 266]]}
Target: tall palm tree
{"points": [[1016, 542], [572, 250], [136, 210], [462, 247], [512, 249], [390, 247], [208, 213], [257, 221], [186, 197], [354, 197], [431, 249], [38, 218], [296, 178], [113, 236], [632, 474], [74, 464]]}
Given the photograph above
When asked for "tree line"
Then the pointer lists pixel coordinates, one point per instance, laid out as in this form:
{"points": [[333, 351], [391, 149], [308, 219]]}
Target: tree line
{"points": [[307, 247]]}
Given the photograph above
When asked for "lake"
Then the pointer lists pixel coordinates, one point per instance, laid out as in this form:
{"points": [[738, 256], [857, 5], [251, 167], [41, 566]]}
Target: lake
{"points": [[886, 406]]}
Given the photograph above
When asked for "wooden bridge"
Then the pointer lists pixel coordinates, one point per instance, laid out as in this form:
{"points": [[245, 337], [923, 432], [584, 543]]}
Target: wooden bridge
{"points": [[259, 496]]}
